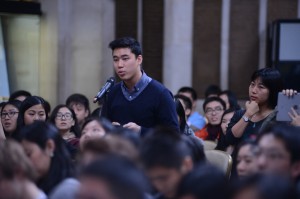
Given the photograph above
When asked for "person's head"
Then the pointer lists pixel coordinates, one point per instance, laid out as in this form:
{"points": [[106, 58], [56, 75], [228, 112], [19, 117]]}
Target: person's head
{"points": [[196, 148], [247, 153], [181, 115], [9, 116], [16, 170], [48, 153], [112, 177], [186, 103], [226, 117], [213, 108], [81, 106], [127, 57], [94, 127], [230, 100], [64, 118], [264, 87], [279, 147], [165, 158], [263, 187], [205, 181], [190, 93], [212, 91], [20, 95], [33, 108]]}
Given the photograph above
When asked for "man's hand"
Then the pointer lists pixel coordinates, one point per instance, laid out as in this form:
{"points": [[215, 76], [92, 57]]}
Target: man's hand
{"points": [[116, 123], [133, 126], [251, 108]]}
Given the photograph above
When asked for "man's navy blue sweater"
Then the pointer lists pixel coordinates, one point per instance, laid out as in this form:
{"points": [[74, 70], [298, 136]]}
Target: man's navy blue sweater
{"points": [[154, 106]]}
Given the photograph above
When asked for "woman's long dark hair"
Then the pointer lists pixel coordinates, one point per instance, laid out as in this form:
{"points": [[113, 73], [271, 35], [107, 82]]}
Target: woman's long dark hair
{"points": [[181, 114], [61, 166]]}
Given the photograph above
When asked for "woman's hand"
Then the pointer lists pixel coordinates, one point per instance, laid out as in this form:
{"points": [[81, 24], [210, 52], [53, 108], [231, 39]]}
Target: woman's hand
{"points": [[295, 117], [251, 108]]}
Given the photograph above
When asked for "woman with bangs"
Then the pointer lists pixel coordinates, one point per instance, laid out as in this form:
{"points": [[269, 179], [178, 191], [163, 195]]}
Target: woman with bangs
{"points": [[260, 109]]}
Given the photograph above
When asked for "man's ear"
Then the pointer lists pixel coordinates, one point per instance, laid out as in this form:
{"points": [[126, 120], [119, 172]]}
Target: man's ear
{"points": [[295, 169], [50, 147], [187, 165], [140, 59]]}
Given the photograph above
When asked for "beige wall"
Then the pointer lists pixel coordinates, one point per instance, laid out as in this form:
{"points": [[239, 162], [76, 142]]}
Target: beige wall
{"points": [[74, 53]]}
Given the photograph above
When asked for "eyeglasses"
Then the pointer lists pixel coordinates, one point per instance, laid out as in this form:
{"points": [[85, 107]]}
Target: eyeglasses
{"points": [[9, 114], [210, 111], [67, 116]]}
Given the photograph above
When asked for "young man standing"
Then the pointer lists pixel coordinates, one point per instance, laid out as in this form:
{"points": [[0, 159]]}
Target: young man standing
{"points": [[138, 102]]}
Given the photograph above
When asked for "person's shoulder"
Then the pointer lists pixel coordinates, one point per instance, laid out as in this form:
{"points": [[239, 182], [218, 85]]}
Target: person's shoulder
{"points": [[157, 86], [66, 189]]}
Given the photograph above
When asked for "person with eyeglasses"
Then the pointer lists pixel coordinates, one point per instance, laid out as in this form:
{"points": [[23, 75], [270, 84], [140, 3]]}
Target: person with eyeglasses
{"points": [[213, 108], [9, 116], [64, 118]]}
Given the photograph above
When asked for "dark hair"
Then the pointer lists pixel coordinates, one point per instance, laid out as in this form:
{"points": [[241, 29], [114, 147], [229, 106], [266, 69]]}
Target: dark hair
{"points": [[75, 128], [163, 147], [19, 93], [289, 135], [17, 104], [127, 134], [187, 101], [252, 143], [123, 178], [196, 147], [267, 186], [79, 98], [212, 90], [127, 42], [26, 104], [271, 78], [190, 90], [61, 166], [107, 126], [213, 183], [233, 102], [213, 99], [181, 114]]}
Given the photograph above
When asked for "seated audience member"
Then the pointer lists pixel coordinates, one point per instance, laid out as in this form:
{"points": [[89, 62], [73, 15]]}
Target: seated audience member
{"points": [[247, 154], [260, 109], [214, 108], [230, 100], [65, 120], [166, 159], [263, 187], [81, 106], [279, 147], [212, 91], [186, 103], [9, 117], [196, 121], [49, 155], [20, 95], [93, 128], [17, 173], [222, 144], [183, 126], [196, 148], [112, 177], [206, 182]]}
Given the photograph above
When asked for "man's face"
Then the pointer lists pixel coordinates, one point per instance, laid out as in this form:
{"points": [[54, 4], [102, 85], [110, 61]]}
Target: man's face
{"points": [[165, 180], [213, 112], [80, 111], [273, 157], [126, 64], [92, 188]]}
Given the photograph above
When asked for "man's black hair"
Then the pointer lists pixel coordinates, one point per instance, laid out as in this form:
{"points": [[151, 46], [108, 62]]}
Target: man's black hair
{"points": [[19, 93], [123, 178], [127, 42], [190, 90], [163, 147], [78, 98]]}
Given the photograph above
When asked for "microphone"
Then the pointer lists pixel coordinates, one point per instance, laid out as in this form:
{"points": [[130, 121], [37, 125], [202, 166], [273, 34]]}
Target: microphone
{"points": [[109, 83]]}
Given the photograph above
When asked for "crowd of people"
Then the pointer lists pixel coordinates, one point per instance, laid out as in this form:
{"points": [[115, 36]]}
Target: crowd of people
{"points": [[146, 142]]}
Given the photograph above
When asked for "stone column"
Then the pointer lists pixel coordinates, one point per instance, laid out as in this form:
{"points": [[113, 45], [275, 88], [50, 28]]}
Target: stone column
{"points": [[178, 38]]}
